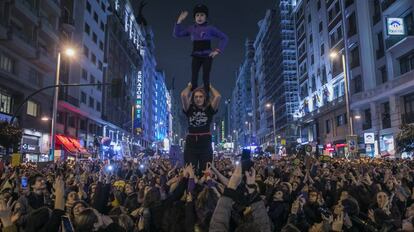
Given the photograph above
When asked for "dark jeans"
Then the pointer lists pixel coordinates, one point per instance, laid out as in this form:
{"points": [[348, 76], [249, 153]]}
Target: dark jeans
{"points": [[196, 65], [198, 151]]}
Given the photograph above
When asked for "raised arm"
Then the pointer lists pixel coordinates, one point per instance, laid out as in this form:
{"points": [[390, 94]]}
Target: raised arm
{"points": [[185, 97], [179, 29], [215, 98]]}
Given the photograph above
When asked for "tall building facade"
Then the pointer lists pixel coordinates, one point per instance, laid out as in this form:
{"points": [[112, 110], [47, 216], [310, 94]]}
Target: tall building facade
{"points": [[79, 114], [382, 93], [274, 77], [122, 110], [242, 99], [29, 39], [379, 84]]}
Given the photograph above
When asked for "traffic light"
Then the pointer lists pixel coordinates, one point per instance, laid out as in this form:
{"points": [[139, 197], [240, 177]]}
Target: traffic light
{"points": [[116, 87]]}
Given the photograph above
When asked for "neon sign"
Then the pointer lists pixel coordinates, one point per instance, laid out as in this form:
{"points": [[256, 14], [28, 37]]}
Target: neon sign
{"points": [[138, 105]]}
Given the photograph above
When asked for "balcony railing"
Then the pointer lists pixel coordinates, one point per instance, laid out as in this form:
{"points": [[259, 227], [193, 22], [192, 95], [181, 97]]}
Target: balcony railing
{"points": [[408, 118], [392, 40]]}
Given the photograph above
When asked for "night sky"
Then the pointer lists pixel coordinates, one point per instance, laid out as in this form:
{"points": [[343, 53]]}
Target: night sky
{"points": [[237, 18]]}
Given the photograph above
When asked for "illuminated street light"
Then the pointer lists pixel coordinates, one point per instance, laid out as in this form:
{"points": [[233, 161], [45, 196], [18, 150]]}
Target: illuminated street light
{"points": [[333, 55], [45, 118], [70, 52], [357, 116], [268, 105]]}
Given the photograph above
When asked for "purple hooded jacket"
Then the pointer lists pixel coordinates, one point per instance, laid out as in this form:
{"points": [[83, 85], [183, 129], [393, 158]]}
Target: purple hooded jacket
{"points": [[200, 32]]}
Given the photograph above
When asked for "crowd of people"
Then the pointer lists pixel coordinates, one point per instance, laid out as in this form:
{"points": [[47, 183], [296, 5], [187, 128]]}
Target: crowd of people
{"points": [[263, 194]]}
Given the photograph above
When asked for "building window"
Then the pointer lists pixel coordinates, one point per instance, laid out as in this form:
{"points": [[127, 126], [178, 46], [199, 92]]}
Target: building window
{"points": [[103, 6], [98, 106], [93, 59], [84, 74], [71, 121], [328, 126], [32, 108], [309, 18], [384, 76], [6, 63], [101, 45], [322, 49], [319, 4], [324, 79], [94, 38], [100, 65], [352, 30], [310, 39], [357, 84], [313, 83], [320, 26], [83, 97], [355, 57], [88, 6], [312, 59], [92, 80], [91, 102], [102, 26], [85, 51], [377, 12], [380, 51], [341, 120], [407, 63], [95, 17], [5, 103], [386, 117], [99, 86], [367, 119], [87, 28]]}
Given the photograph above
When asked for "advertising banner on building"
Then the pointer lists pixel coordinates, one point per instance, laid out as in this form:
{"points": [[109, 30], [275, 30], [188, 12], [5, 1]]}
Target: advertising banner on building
{"points": [[352, 143], [369, 138]]}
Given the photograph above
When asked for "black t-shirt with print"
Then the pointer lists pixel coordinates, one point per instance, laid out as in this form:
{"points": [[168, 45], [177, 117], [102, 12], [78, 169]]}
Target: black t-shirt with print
{"points": [[199, 120]]}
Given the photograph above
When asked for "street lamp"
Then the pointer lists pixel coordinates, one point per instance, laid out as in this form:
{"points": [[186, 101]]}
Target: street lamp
{"points": [[271, 105], [334, 55], [45, 118], [69, 52]]}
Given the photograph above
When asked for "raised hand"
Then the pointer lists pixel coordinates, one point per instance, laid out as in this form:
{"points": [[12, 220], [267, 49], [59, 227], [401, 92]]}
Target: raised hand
{"points": [[235, 177], [182, 16], [6, 216], [338, 222]]}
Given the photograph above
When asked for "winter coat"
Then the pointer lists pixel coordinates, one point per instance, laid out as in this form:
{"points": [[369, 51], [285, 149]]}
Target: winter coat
{"points": [[221, 217]]}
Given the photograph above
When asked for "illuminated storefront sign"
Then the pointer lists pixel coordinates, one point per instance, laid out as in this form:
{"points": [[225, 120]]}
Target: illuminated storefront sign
{"points": [[395, 26], [222, 131], [138, 105]]}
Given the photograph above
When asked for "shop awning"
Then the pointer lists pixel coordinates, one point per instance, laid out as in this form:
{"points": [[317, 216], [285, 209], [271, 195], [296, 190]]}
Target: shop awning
{"points": [[72, 145]]}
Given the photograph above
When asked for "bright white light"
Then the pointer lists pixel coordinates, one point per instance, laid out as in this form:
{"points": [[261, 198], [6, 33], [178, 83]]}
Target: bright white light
{"points": [[110, 168], [357, 117], [45, 118], [70, 52], [268, 105], [333, 55], [141, 166], [237, 162]]}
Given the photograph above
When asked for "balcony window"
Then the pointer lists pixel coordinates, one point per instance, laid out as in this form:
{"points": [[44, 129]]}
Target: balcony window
{"points": [[341, 120], [87, 28], [352, 30], [319, 4], [324, 78], [84, 74], [328, 126], [407, 63], [5, 103], [94, 38], [91, 102], [32, 108], [384, 76], [6, 63], [386, 117], [380, 51], [355, 57], [88, 7], [357, 84], [83, 97], [95, 17], [367, 119]]}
